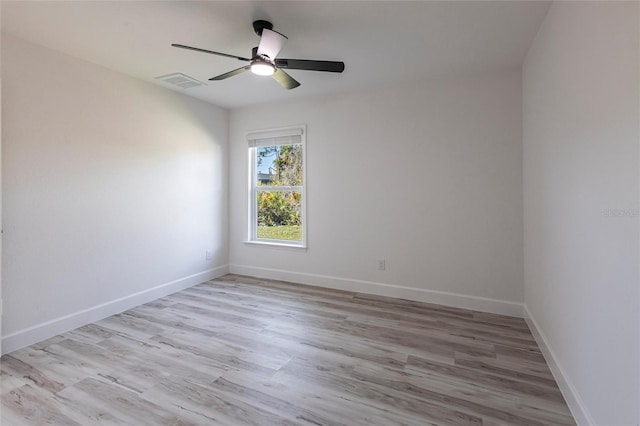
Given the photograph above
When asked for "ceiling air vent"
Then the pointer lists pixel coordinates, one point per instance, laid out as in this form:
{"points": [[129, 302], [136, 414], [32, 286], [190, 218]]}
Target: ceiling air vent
{"points": [[181, 80]]}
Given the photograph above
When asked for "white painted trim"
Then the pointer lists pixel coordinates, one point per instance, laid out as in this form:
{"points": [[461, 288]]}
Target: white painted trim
{"points": [[483, 304], [570, 393], [37, 333], [276, 244]]}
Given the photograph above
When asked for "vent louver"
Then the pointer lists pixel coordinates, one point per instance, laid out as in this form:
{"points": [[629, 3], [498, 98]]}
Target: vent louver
{"points": [[181, 80]]}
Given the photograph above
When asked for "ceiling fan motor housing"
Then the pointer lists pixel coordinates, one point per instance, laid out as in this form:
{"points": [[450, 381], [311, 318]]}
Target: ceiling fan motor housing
{"points": [[259, 25]]}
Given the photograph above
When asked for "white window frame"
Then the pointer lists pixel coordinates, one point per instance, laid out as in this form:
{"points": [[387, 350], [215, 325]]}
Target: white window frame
{"points": [[272, 134]]}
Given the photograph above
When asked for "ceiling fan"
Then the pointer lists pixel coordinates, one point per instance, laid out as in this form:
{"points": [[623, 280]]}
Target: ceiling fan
{"points": [[264, 60]]}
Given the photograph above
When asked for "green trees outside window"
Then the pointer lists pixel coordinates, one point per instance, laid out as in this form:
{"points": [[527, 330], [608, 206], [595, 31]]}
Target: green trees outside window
{"points": [[279, 192]]}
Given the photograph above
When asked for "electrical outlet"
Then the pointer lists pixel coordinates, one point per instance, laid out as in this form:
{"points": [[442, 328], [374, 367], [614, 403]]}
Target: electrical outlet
{"points": [[208, 255], [381, 264]]}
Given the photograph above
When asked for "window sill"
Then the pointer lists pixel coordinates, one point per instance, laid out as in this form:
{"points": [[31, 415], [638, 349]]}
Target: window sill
{"points": [[276, 245]]}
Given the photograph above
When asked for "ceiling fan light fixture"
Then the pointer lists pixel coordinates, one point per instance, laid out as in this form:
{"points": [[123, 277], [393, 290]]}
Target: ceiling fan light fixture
{"points": [[262, 68]]}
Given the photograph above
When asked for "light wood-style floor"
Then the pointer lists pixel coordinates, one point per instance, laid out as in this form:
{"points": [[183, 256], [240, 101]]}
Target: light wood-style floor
{"points": [[243, 351]]}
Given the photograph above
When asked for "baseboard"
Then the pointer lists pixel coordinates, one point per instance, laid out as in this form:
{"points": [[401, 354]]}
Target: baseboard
{"points": [[483, 304], [571, 396], [37, 333]]}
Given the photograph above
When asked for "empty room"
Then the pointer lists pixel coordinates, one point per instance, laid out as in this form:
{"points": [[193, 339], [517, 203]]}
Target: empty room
{"points": [[320, 213]]}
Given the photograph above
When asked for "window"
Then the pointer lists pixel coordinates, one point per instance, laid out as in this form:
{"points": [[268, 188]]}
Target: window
{"points": [[277, 186]]}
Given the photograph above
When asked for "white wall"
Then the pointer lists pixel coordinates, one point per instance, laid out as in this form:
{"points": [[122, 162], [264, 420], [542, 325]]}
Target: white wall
{"points": [[111, 188], [1, 301], [581, 160], [426, 176]]}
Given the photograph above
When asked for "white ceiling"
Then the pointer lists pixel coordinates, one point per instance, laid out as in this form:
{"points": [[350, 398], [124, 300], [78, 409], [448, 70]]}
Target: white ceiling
{"points": [[381, 43]]}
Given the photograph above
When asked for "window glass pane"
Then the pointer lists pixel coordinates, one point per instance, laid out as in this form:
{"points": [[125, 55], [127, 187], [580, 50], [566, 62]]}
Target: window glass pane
{"points": [[279, 165], [279, 215]]}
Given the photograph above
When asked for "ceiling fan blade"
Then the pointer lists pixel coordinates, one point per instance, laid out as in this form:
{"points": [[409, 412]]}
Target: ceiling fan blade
{"points": [[270, 43], [197, 49], [230, 73], [309, 65], [285, 80]]}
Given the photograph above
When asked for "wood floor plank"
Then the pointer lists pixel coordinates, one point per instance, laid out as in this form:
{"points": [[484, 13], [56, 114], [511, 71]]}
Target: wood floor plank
{"points": [[336, 378], [471, 397], [211, 403], [245, 351], [18, 367], [493, 381], [124, 403], [25, 405]]}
